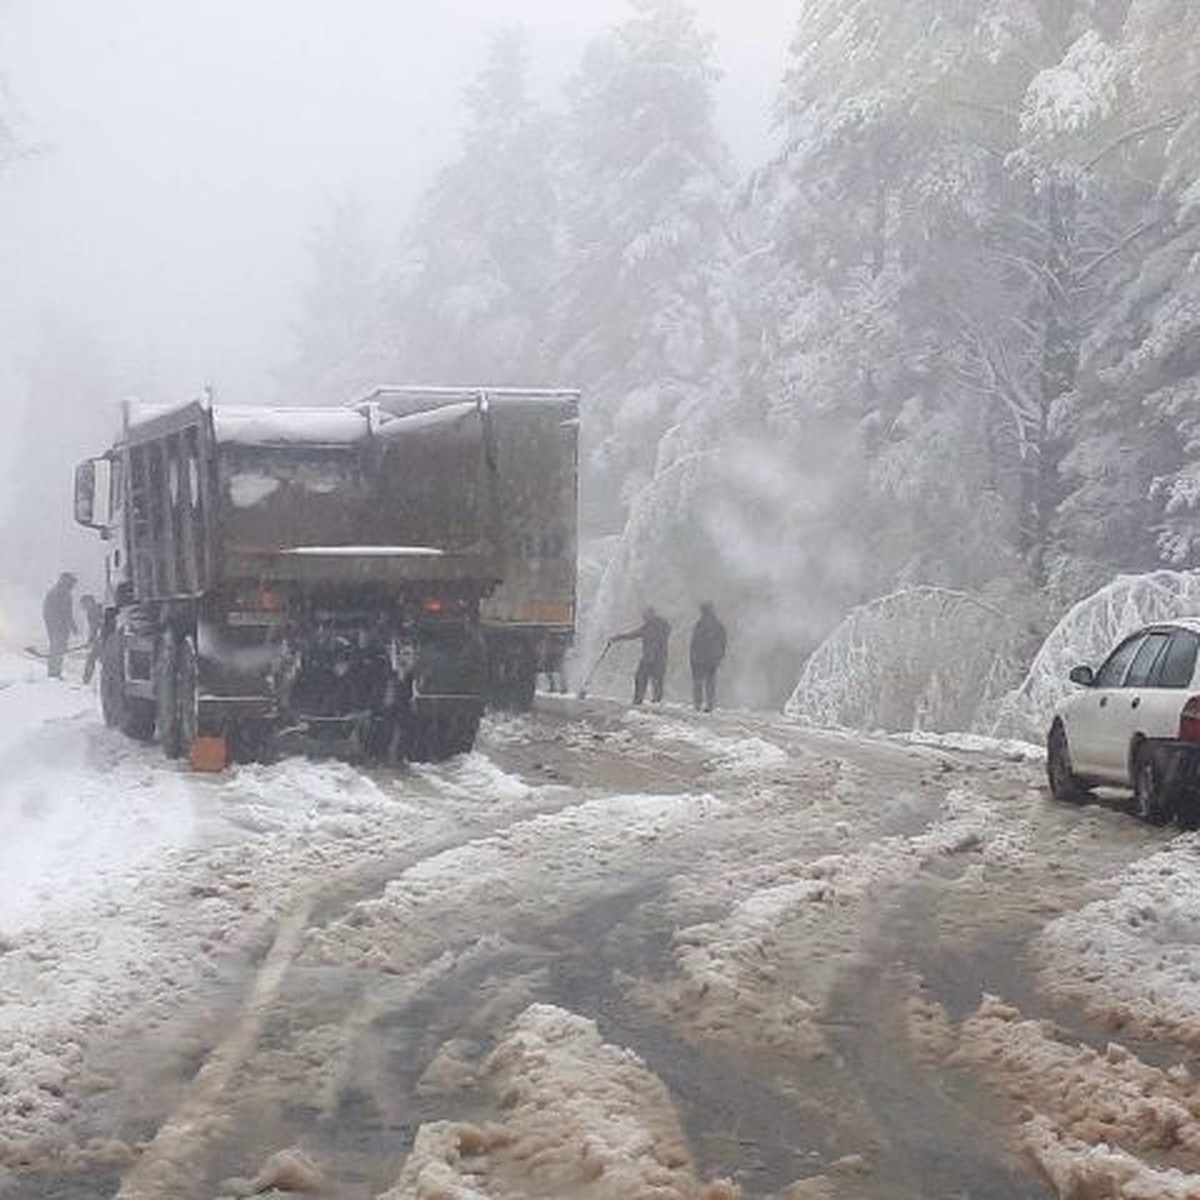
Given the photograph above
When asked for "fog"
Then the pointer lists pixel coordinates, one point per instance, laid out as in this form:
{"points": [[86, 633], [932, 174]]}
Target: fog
{"points": [[931, 330], [187, 149]]}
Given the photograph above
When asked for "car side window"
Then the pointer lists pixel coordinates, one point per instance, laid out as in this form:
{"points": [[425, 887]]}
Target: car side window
{"points": [[1178, 665], [1112, 674], [1142, 669]]}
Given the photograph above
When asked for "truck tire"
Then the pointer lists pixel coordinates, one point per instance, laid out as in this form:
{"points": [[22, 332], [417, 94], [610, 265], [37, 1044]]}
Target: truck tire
{"points": [[132, 715], [511, 675], [112, 681], [166, 694], [187, 693], [435, 739]]}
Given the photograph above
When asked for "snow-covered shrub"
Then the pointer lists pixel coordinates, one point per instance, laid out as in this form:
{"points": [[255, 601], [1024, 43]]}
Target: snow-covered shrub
{"points": [[1088, 632], [923, 658]]}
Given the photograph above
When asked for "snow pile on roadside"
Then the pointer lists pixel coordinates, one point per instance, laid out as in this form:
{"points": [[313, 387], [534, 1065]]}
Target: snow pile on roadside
{"points": [[583, 1118], [81, 809], [1132, 960], [1103, 1125], [1079, 1171], [1009, 749]]}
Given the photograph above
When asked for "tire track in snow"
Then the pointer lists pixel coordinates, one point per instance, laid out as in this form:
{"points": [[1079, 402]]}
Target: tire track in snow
{"points": [[166, 1164]]}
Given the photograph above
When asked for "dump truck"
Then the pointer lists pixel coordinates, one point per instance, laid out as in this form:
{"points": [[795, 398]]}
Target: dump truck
{"points": [[312, 574], [528, 622]]}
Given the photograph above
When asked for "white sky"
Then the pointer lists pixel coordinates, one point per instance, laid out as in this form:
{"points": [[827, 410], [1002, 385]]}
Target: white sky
{"points": [[193, 144]]}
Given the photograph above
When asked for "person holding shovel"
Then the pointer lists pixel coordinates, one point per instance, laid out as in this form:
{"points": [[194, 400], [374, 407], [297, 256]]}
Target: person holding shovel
{"points": [[654, 633]]}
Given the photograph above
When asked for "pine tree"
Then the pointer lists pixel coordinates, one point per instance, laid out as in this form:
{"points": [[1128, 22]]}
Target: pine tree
{"points": [[642, 319], [468, 301], [336, 334]]}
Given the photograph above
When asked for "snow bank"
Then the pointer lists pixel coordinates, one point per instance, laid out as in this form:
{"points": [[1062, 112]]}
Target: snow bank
{"points": [[1132, 960], [1010, 749], [1101, 1125], [583, 1118], [81, 808]]}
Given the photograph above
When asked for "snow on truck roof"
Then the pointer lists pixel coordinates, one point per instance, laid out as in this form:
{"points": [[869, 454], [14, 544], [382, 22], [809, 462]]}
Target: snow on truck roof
{"points": [[289, 426], [333, 425], [416, 392]]}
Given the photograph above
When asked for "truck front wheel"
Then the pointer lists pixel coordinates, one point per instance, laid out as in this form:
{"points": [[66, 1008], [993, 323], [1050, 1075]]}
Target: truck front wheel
{"points": [[166, 698], [133, 715]]}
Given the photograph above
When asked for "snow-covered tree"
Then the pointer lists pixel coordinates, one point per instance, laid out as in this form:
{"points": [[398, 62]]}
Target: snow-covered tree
{"points": [[1147, 345], [468, 298], [337, 355], [642, 318]]}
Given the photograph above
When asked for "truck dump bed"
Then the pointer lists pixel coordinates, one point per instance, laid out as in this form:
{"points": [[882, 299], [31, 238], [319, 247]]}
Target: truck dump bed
{"points": [[309, 496], [535, 438]]}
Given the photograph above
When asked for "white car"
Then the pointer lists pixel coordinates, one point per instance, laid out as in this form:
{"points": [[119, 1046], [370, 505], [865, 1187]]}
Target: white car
{"points": [[1135, 723]]}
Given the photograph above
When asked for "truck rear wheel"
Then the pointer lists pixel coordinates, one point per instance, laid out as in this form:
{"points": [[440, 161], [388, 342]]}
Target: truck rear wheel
{"points": [[187, 694], [512, 675], [112, 681], [166, 695], [437, 738]]}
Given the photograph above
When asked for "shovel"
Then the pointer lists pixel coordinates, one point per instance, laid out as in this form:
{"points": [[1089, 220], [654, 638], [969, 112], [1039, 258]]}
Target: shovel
{"points": [[582, 693]]}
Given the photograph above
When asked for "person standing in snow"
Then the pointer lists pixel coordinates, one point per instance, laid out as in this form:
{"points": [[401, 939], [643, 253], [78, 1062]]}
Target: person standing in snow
{"points": [[654, 633], [58, 612], [94, 614], [707, 651]]}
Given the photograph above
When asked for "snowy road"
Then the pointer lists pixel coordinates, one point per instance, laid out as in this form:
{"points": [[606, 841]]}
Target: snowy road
{"points": [[609, 955]]}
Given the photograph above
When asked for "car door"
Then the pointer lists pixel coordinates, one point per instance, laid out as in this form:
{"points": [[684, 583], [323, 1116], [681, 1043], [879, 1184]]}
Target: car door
{"points": [[1087, 714], [1129, 715], [1160, 697]]}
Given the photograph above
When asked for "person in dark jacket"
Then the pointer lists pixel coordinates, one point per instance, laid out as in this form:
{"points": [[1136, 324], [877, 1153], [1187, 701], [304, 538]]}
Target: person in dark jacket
{"points": [[707, 652], [93, 612], [654, 634], [58, 612]]}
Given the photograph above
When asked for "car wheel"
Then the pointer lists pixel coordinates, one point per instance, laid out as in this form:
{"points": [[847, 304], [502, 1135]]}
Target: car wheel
{"points": [[1064, 784], [1149, 794]]}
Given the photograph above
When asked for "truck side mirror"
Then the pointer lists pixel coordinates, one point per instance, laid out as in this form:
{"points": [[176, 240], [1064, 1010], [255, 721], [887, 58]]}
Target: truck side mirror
{"points": [[92, 480]]}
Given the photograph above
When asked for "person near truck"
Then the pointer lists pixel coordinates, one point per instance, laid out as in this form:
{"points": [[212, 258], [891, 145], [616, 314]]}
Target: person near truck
{"points": [[58, 612], [707, 651], [654, 633]]}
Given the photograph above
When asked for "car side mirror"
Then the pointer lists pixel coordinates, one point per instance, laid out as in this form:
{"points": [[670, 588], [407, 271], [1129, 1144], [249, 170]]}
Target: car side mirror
{"points": [[1084, 676]]}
